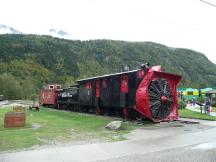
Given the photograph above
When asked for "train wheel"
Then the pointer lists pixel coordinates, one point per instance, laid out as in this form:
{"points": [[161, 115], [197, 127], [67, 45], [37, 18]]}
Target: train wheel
{"points": [[117, 113], [98, 110], [76, 107], [139, 117], [125, 113]]}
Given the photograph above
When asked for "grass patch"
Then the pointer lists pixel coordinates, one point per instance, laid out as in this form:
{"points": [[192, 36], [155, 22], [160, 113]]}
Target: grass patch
{"points": [[48, 125], [214, 109], [195, 115]]}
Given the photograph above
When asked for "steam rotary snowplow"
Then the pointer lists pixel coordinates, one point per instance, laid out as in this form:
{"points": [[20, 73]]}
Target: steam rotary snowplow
{"points": [[142, 93]]}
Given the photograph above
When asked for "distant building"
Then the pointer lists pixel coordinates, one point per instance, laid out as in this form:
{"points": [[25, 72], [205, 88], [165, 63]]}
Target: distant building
{"points": [[188, 93]]}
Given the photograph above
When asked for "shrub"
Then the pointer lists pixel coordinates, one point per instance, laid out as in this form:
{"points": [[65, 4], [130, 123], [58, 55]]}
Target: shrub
{"points": [[200, 99], [181, 104], [213, 103]]}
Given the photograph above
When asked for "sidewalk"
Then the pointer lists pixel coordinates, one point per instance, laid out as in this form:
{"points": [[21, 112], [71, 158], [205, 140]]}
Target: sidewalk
{"points": [[197, 109], [3, 103]]}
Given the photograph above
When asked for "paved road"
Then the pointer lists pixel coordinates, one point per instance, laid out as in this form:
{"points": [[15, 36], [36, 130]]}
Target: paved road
{"points": [[175, 141], [184, 154]]}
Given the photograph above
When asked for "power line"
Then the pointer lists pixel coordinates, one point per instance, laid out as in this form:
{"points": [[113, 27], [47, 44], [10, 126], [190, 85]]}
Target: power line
{"points": [[208, 3]]}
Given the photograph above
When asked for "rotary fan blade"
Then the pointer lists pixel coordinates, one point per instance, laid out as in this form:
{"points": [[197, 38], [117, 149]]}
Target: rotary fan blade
{"points": [[160, 98]]}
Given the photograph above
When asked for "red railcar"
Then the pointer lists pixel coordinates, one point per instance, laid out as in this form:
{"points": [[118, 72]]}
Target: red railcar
{"points": [[49, 94]]}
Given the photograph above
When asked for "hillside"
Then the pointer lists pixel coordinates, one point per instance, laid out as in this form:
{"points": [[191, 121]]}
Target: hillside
{"points": [[38, 60]]}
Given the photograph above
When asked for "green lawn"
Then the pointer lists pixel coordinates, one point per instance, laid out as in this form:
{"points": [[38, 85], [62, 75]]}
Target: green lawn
{"points": [[214, 109], [195, 115], [48, 126]]}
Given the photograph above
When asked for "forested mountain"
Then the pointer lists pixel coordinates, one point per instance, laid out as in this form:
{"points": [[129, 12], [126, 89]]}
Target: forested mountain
{"points": [[31, 61]]}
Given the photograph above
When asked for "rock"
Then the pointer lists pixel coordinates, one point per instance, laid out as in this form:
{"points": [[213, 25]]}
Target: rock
{"points": [[36, 125], [115, 125]]}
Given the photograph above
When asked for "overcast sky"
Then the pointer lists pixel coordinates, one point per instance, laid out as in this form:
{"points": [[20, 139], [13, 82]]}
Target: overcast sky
{"points": [[176, 23]]}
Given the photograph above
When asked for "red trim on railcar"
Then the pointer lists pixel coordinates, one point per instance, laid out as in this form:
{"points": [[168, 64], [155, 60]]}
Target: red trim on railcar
{"points": [[88, 85], [124, 84], [140, 74], [97, 89], [104, 83]]}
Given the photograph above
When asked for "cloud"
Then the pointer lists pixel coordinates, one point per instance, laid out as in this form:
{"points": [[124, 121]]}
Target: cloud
{"points": [[59, 33]]}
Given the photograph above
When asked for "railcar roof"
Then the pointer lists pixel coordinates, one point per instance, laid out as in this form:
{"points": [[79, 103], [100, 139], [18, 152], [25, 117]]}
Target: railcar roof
{"points": [[107, 75], [69, 88]]}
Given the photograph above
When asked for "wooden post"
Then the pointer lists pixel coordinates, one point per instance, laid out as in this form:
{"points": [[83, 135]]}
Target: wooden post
{"points": [[201, 109], [14, 119]]}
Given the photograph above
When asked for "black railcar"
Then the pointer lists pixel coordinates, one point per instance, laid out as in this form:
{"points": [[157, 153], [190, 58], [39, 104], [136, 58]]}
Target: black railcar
{"points": [[110, 93], [68, 98], [145, 92]]}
